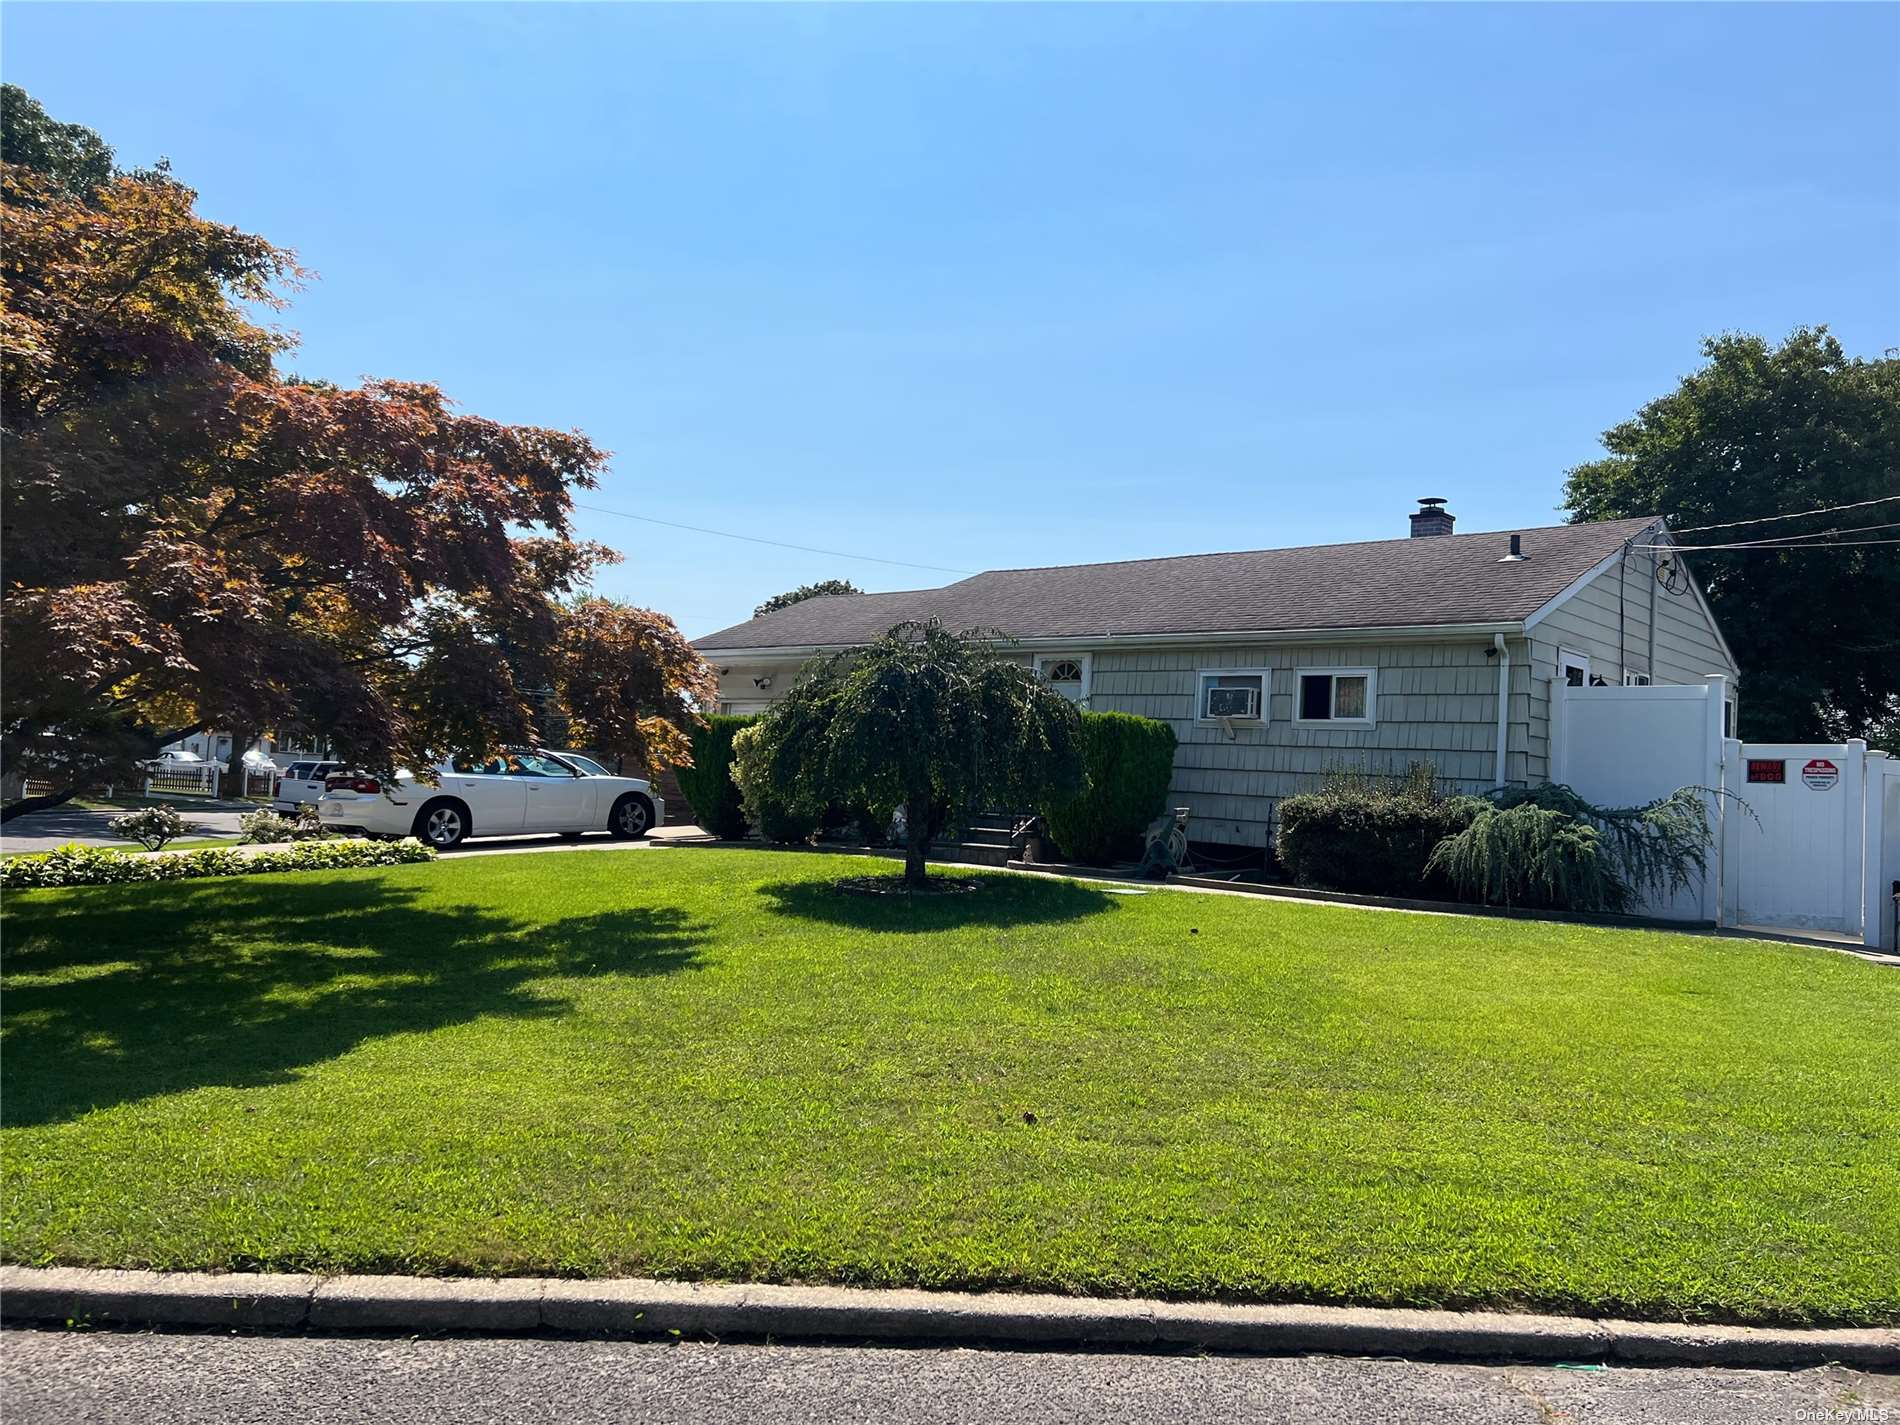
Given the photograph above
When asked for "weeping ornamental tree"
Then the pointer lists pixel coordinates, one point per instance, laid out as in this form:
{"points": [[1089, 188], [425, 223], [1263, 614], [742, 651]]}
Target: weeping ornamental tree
{"points": [[921, 718]]}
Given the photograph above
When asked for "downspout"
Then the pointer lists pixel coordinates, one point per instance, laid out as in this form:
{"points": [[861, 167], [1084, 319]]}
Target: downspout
{"points": [[1504, 702]]}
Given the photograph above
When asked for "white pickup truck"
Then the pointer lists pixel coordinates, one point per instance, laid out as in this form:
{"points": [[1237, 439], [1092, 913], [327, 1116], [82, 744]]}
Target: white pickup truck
{"points": [[520, 791], [301, 783]]}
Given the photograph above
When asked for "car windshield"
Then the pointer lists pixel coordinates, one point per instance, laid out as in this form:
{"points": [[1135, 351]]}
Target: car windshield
{"points": [[587, 766]]}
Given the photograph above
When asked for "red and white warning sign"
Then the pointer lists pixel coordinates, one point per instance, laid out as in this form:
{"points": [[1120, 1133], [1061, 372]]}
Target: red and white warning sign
{"points": [[1820, 774]]}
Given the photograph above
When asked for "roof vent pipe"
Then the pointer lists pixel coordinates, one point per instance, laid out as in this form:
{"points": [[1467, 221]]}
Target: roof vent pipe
{"points": [[1431, 517], [1517, 554]]}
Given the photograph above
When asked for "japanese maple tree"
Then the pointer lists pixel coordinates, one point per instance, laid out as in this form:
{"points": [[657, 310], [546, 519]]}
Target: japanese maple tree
{"points": [[193, 539]]}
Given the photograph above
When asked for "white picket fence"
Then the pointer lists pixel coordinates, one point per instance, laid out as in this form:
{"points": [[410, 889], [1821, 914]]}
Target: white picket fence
{"points": [[1808, 834], [182, 779]]}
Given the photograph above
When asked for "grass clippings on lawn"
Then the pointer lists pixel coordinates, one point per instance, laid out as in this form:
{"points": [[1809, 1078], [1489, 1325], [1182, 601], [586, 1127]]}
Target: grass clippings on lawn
{"points": [[711, 1063]]}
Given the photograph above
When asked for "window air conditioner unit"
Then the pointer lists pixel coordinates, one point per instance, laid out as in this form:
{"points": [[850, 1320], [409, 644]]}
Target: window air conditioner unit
{"points": [[1233, 702]]}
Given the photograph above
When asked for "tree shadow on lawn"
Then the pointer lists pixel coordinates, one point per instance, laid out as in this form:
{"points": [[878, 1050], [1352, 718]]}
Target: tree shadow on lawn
{"points": [[120, 994], [997, 901]]}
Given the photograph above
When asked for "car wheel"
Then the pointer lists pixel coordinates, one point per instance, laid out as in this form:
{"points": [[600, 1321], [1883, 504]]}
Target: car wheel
{"points": [[442, 824], [631, 818]]}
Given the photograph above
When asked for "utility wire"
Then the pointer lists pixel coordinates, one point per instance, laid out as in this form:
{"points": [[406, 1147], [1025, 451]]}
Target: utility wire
{"points": [[1798, 514], [1796, 540], [1762, 548], [775, 543]]}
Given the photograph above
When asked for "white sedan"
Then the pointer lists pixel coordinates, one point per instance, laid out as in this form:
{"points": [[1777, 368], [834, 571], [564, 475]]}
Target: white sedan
{"points": [[506, 795]]}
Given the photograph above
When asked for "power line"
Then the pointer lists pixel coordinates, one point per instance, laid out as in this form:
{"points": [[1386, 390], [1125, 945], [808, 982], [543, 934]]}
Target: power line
{"points": [[1798, 514], [1762, 548], [775, 543], [1795, 541]]}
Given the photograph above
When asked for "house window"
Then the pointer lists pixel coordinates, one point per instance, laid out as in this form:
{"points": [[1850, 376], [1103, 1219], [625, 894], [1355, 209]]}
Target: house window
{"points": [[1237, 695], [1337, 697], [1067, 673], [1635, 680], [1573, 668], [1728, 717]]}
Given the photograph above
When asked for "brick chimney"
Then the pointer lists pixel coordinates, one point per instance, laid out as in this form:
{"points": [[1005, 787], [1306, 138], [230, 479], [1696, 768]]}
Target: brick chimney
{"points": [[1431, 517]]}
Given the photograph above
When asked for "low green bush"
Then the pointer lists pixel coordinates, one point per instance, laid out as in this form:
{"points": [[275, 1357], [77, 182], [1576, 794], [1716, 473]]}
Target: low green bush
{"points": [[1547, 848], [708, 785], [103, 866], [1542, 848], [776, 819], [1372, 835], [1129, 762], [151, 827]]}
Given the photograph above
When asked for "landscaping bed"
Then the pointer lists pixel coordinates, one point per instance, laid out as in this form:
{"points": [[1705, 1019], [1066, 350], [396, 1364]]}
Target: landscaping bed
{"points": [[714, 1065]]}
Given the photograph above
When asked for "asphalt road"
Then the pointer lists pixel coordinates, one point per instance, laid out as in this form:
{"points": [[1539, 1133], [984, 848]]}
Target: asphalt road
{"points": [[44, 830], [246, 1380]]}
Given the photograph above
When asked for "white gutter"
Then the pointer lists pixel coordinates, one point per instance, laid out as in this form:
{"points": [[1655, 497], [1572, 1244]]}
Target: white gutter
{"points": [[1504, 702], [1080, 642]]}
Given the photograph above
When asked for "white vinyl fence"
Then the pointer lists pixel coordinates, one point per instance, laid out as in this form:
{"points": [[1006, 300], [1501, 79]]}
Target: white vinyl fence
{"points": [[1808, 834]]}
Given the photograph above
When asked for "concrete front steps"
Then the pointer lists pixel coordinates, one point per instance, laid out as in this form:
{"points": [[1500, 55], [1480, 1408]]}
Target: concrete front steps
{"points": [[989, 840]]}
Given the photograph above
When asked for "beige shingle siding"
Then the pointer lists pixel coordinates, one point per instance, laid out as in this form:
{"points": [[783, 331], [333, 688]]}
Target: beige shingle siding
{"points": [[1436, 702], [1687, 649]]}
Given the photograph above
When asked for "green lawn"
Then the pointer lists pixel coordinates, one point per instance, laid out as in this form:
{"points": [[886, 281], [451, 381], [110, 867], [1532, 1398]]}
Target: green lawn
{"points": [[709, 1063]]}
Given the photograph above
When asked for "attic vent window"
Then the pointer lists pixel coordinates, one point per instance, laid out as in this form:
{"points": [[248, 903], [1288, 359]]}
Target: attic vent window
{"points": [[1064, 670]]}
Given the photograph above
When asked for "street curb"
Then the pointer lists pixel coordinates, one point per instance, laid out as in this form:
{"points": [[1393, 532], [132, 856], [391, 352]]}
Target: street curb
{"points": [[636, 1307]]}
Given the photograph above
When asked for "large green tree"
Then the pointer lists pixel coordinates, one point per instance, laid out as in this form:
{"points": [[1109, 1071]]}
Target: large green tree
{"points": [[191, 539], [923, 718], [804, 592], [71, 158], [1761, 431]]}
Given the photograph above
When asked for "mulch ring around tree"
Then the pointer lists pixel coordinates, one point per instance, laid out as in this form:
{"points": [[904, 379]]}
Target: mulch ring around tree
{"points": [[894, 886]]}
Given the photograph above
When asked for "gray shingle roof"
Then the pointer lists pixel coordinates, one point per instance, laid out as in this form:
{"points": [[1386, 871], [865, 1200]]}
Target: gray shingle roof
{"points": [[1443, 579]]}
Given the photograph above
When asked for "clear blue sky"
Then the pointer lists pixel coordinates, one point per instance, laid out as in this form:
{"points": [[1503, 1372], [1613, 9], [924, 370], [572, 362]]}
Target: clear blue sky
{"points": [[996, 286]]}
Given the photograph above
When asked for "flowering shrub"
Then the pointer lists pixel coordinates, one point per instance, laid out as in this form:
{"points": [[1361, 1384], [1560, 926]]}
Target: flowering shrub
{"points": [[103, 866], [266, 825], [151, 827]]}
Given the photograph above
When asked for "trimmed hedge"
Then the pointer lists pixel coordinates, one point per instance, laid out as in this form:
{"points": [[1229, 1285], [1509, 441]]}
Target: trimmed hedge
{"points": [[776, 819], [1129, 761], [103, 866], [1371, 838], [708, 785]]}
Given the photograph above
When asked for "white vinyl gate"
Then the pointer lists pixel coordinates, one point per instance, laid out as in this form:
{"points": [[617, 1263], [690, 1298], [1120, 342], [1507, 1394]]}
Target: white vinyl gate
{"points": [[1808, 834], [1792, 848]]}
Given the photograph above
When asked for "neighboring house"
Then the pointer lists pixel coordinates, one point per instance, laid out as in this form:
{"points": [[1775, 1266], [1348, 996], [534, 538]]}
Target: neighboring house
{"points": [[1275, 665], [216, 747]]}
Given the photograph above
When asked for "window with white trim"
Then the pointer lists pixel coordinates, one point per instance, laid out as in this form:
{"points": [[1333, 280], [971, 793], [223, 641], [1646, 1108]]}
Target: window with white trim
{"points": [[1067, 673], [1573, 668], [1633, 679], [1336, 697], [1233, 695]]}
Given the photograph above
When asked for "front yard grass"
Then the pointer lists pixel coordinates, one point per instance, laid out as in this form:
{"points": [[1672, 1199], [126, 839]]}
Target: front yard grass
{"points": [[709, 1064]]}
